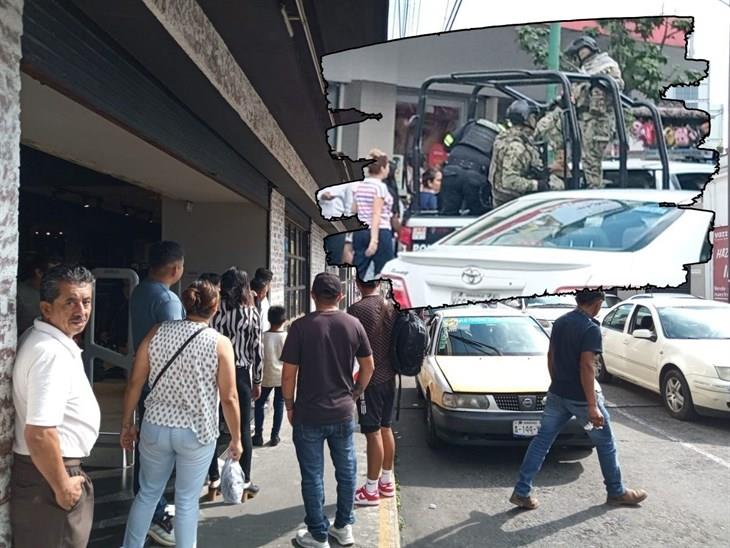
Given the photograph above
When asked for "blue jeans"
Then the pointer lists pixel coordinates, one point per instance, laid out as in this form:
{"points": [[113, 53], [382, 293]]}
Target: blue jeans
{"points": [[160, 449], [309, 443], [162, 503], [278, 410], [558, 411], [384, 253]]}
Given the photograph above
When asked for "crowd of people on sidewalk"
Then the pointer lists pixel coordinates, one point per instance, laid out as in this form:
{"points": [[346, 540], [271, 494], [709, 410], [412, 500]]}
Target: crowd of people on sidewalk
{"points": [[207, 351]]}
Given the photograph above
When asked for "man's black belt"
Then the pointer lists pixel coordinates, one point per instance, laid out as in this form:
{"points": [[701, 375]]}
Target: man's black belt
{"points": [[466, 164]]}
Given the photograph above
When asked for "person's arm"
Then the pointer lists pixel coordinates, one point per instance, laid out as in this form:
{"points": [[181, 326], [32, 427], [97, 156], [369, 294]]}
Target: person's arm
{"points": [[591, 346], [46, 382], [365, 373], [135, 383], [45, 452], [229, 395], [551, 360], [515, 166], [289, 373], [257, 372], [375, 226]]}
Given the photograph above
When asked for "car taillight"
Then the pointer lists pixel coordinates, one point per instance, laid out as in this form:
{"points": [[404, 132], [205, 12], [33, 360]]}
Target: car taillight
{"points": [[405, 237], [400, 292]]}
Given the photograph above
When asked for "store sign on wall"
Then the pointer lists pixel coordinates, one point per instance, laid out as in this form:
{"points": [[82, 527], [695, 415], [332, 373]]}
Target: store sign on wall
{"points": [[720, 264]]}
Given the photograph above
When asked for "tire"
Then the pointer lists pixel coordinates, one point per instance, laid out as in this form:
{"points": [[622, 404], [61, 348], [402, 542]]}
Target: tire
{"points": [[676, 395], [602, 375], [432, 437]]}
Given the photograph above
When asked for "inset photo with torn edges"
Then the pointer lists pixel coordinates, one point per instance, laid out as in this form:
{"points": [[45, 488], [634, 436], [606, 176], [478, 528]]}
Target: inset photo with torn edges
{"points": [[525, 160]]}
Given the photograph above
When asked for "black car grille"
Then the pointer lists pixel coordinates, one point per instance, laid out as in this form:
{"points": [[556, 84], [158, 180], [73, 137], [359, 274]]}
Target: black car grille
{"points": [[511, 402]]}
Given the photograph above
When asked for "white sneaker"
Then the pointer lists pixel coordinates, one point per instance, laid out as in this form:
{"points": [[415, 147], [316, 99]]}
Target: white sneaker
{"points": [[161, 534], [304, 539], [343, 535]]}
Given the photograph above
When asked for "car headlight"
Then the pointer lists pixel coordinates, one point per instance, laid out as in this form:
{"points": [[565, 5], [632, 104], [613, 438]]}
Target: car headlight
{"points": [[723, 372], [465, 401]]}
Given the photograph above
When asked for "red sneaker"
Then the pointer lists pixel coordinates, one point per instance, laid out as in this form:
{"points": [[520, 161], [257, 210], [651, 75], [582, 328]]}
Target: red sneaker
{"points": [[386, 490], [364, 498]]}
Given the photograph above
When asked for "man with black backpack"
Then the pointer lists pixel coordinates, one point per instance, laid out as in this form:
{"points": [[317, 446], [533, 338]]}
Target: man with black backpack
{"points": [[376, 406]]}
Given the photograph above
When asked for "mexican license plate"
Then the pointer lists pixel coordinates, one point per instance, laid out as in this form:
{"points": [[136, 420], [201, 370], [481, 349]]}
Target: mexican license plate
{"points": [[463, 297], [419, 233], [525, 429]]}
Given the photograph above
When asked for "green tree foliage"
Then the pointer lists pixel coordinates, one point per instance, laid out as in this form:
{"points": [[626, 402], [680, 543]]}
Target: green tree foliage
{"points": [[642, 61]]}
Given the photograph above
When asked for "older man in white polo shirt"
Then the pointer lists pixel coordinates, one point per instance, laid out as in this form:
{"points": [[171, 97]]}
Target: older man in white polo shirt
{"points": [[56, 419]]}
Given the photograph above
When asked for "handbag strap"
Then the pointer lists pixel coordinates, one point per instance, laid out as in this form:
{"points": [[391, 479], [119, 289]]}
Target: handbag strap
{"points": [[175, 355]]}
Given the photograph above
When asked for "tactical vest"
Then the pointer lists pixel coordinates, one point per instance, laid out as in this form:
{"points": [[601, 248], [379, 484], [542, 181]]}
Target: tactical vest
{"points": [[477, 137]]}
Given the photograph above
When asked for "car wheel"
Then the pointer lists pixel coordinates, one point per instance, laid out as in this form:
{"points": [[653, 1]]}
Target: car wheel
{"points": [[601, 374], [676, 395], [432, 437]]}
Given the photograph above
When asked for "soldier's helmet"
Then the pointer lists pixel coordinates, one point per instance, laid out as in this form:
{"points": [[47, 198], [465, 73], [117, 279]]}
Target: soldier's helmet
{"points": [[582, 42], [522, 113]]}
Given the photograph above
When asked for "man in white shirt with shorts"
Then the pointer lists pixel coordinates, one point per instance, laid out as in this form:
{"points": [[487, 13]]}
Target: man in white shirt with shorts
{"points": [[56, 419]]}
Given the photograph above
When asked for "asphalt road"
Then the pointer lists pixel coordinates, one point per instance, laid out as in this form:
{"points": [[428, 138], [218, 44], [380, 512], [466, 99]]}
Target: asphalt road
{"points": [[458, 497]]}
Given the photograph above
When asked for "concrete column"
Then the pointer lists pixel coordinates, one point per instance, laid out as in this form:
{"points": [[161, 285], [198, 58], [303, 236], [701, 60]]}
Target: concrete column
{"points": [[11, 27], [491, 104], [370, 97], [277, 242]]}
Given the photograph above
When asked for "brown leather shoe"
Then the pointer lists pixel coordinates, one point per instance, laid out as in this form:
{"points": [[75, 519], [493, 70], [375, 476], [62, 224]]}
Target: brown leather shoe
{"points": [[528, 503], [631, 497]]}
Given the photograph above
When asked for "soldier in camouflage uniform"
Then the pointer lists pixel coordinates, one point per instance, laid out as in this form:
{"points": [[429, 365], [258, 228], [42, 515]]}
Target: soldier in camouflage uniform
{"points": [[516, 167], [596, 118]]}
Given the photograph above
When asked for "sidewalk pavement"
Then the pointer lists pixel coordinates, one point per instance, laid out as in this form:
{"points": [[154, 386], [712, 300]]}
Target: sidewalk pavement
{"points": [[273, 517]]}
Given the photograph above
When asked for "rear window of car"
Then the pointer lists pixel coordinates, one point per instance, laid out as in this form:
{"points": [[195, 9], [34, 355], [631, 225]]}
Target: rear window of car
{"points": [[491, 336], [693, 181], [600, 224]]}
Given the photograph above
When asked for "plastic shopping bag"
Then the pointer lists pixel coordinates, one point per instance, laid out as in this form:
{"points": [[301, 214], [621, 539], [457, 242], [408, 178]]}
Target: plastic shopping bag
{"points": [[232, 482]]}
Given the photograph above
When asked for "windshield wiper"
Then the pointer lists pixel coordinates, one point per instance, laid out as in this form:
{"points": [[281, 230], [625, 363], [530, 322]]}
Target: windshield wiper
{"points": [[478, 344]]}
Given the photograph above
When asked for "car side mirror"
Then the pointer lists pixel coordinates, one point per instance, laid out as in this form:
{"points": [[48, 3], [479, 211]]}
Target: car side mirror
{"points": [[647, 334]]}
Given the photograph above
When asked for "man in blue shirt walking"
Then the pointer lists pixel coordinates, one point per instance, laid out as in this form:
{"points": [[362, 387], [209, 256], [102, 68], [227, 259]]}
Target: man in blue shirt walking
{"points": [[575, 343], [151, 303]]}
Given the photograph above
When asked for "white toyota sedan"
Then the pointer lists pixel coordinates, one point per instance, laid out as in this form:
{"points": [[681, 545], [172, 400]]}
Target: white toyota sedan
{"points": [[679, 348], [556, 242], [485, 378]]}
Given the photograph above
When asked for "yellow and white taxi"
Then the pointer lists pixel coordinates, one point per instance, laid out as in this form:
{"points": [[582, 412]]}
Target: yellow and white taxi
{"points": [[485, 378]]}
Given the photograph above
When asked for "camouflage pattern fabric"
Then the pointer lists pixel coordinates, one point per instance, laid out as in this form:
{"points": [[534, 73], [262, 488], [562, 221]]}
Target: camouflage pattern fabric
{"points": [[515, 159], [596, 119]]}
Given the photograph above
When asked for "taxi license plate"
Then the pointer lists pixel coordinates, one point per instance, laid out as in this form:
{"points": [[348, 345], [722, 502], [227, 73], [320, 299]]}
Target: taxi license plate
{"points": [[463, 297], [525, 429], [419, 233]]}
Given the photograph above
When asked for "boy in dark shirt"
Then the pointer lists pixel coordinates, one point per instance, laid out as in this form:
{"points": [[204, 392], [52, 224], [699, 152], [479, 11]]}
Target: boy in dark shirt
{"points": [[319, 355], [575, 343]]}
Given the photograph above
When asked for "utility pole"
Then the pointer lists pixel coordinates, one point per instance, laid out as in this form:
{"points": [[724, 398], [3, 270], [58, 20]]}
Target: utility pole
{"points": [[553, 56]]}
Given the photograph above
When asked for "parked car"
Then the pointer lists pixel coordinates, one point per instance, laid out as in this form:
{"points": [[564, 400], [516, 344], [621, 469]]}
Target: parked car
{"points": [[485, 378], [660, 296], [679, 348], [555, 242], [548, 308]]}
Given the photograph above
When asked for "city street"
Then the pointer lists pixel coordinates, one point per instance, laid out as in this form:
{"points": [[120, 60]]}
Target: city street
{"points": [[458, 496]]}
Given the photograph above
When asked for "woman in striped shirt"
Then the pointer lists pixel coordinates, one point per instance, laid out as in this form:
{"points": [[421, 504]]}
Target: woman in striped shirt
{"points": [[239, 320], [374, 205]]}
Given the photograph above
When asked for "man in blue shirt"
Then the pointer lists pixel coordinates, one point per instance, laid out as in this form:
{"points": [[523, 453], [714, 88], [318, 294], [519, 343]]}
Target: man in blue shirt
{"points": [[575, 343], [151, 303]]}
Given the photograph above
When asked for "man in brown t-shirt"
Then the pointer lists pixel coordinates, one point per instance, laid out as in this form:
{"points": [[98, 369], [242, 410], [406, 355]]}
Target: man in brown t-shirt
{"points": [[377, 404], [319, 355]]}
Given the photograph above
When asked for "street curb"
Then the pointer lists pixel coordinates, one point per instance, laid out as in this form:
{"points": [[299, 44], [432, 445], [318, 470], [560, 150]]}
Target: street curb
{"points": [[389, 525]]}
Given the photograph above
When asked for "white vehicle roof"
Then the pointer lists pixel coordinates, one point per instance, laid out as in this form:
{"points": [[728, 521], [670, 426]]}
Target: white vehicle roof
{"points": [[682, 303], [636, 194], [654, 296], [675, 167], [478, 311]]}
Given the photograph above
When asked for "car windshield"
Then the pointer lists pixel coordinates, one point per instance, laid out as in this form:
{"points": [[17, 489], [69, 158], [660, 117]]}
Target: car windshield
{"points": [[694, 322], [578, 223], [491, 336]]}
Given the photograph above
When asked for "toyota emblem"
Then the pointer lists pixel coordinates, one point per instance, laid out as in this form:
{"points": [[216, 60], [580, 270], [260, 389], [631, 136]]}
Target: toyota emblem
{"points": [[471, 276]]}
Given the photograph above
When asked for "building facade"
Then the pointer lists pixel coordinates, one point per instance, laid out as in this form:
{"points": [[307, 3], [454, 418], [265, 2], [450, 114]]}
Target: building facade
{"points": [[190, 120]]}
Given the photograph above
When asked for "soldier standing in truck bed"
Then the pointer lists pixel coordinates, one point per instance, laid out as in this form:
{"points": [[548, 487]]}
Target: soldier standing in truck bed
{"points": [[596, 118]]}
